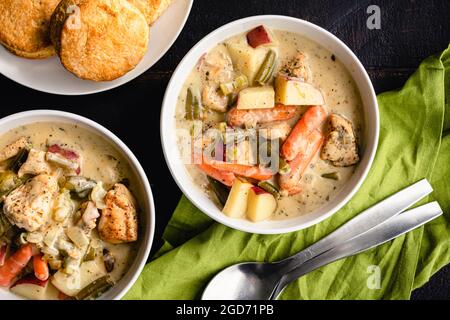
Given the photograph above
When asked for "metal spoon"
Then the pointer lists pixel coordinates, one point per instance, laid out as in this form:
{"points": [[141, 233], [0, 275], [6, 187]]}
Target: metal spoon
{"points": [[385, 232], [247, 281]]}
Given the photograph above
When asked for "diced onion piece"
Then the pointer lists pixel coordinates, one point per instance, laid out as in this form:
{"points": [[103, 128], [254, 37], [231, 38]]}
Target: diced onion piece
{"points": [[98, 195], [60, 160], [77, 235], [52, 235], [64, 206], [69, 248], [51, 251], [79, 184], [35, 237]]}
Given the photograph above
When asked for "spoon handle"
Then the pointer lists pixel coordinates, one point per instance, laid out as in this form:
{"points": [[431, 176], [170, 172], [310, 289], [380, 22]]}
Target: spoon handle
{"points": [[362, 223], [386, 231]]}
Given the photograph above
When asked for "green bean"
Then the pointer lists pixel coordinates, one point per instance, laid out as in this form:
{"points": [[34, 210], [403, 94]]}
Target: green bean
{"points": [[91, 254], [241, 82], [331, 175], [19, 160], [220, 190], [232, 99], [95, 288], [9, 181], [267, 68], [267, 186], [189, 105], [192, 107], [234, 86], [79, 187], [284, 167], [79, 184], [227, 88], [198, 112]]}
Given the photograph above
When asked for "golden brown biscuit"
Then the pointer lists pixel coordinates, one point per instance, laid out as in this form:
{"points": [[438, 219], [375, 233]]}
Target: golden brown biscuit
{"points": [[99, 40], [152, 9], [24, 27], [41, 54]]}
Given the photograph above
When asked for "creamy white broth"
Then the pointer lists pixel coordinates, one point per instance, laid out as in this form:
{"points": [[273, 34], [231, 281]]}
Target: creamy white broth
{"points": [[101, 162], [341, 96]]}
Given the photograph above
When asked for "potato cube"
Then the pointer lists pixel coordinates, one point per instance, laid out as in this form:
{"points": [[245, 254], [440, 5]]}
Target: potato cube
{"points": [[236, 204], [261, 204], [292, 91], [256, 98], [246, 59]]}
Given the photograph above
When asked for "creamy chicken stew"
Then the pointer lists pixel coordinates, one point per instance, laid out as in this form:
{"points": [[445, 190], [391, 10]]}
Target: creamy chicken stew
{"points": [[68, 220], [269, 125]]}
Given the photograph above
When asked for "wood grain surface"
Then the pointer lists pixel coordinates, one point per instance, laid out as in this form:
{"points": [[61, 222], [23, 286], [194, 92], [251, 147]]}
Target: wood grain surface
{"points": [[410, 31]]}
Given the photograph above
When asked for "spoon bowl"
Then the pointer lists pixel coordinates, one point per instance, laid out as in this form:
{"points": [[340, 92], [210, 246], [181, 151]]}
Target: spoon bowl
{"points": [[244, 281]]}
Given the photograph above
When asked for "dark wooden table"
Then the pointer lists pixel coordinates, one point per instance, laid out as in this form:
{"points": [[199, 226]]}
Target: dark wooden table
{"points": [[410, 31]]}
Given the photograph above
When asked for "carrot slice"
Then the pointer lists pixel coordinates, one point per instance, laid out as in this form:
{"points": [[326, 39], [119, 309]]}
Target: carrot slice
{"points": [[40, 268], [14, 265], [291, 182], [226, 177], [312, 119], [3, 250], [254, 172], [239, 117]]}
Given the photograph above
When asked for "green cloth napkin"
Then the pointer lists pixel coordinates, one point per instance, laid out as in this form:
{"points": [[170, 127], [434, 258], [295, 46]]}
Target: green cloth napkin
{"points": [[413, 145]]}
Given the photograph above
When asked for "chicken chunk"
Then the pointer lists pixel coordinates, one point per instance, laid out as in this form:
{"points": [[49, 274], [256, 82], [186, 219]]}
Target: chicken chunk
{"points": [[29, 206], [217, 66], [13, 149], [118, 221], [340, 146], [298, 67], [213, 99], [35, 164]]}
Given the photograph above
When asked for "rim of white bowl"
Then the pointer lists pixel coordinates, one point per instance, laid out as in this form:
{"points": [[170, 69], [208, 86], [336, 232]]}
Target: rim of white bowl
{"points": [[234, 223], [149, 231], [119, 83]]}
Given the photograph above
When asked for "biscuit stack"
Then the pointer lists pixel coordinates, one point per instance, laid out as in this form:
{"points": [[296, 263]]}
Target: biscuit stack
{"points": [[99, 40]]}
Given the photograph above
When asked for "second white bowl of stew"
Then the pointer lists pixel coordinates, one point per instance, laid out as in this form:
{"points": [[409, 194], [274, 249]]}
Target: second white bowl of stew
{"points": [[77, 212], [269, 124]]}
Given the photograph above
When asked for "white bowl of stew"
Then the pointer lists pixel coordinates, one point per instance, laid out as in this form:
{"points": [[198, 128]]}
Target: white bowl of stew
{"points": [[104, 158], [326, 184]]}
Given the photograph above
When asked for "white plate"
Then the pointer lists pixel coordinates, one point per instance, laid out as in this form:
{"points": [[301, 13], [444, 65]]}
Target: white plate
{"points": [[370, 113], [49, 75]]}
